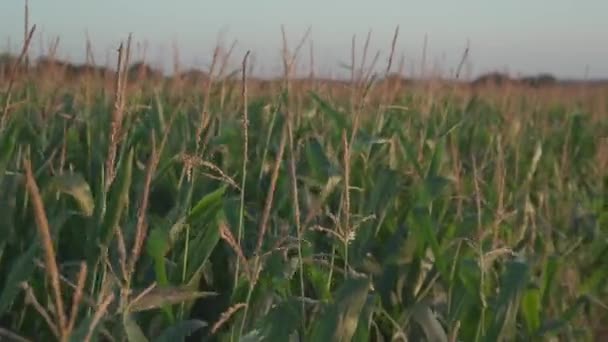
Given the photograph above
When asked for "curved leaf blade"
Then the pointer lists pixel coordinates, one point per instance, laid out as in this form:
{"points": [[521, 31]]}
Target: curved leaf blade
{"points": [[180, 330], [160, 297], [76, 186]]}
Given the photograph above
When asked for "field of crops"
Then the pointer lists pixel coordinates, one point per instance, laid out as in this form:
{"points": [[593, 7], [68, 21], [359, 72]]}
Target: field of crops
{"points": [[300, 210]]}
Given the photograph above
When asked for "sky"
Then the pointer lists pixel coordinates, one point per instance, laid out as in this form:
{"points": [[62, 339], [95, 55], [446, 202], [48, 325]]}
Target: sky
{"points": [[567, 38]]}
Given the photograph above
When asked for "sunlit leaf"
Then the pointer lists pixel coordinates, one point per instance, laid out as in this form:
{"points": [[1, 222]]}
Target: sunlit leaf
{"points": [[132, 329], [428, 321], [76, 186], [341, 318], [160, 297], [531, 309]]}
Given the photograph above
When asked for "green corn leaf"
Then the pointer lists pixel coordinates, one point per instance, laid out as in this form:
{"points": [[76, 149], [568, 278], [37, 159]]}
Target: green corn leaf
{"points": [[160, 119], [207, 213], [362, 334], [118, 198], [206, 207], [252, 336], [160, 297], [341, 318], [318, 163], [76, 186], [531, 309], [338, 118], [548, 277], [20, 271], [437, 160], [202, 248], [8, 208], [430, 190], [82, 330], [422, 221], [180, 330], [157, 245], [132, 329], [428, 321], [553, 326], [409, 153], [8, 142], [281, 321], [512, 285]]}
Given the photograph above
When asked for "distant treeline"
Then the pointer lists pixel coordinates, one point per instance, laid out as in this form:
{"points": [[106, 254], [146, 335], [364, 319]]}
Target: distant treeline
{"points": [[47, 65], [500, 79], [138, 71]]}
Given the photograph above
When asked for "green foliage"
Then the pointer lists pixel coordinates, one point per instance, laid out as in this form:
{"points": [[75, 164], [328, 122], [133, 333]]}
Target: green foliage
{"points": [[180, 330], [467, 220], [77, 187], [340, 319], [20, 271]]}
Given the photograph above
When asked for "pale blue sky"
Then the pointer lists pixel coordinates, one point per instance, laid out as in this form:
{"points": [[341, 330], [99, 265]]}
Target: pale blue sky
{"points": [[563, 37]]}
